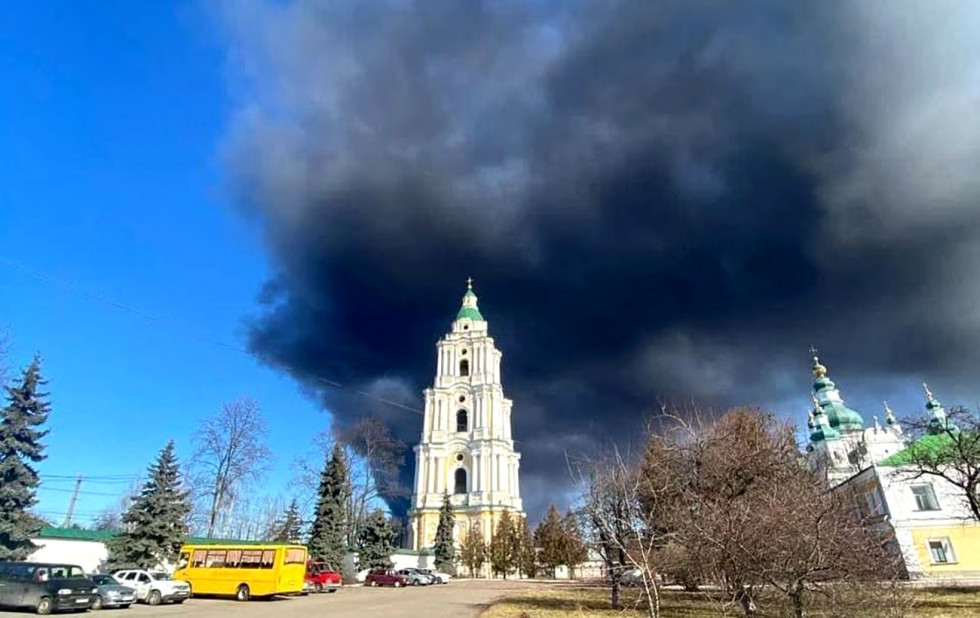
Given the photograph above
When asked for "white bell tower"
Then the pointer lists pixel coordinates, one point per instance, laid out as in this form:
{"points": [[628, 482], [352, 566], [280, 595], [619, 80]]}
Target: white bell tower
{"points": [[466, 450]]}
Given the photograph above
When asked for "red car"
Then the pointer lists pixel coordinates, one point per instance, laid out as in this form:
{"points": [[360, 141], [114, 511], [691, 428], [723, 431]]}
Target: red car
{"points": [[384, 578], [321, 578]]}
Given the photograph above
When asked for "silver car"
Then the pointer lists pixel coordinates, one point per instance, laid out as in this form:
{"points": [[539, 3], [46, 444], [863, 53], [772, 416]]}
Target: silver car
{"points": [[111, 592], [414, 578]]}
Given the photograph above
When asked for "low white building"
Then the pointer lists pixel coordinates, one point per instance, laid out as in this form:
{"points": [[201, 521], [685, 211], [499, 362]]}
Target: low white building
{"points": [[84, 548]]}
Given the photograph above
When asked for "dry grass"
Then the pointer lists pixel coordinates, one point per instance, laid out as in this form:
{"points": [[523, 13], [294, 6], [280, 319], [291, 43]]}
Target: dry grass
{"points": [[593, 602]]}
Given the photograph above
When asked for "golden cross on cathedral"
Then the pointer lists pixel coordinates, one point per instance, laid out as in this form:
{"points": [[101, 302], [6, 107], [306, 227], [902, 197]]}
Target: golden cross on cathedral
{"points": [[469, 283], [813, 351]]}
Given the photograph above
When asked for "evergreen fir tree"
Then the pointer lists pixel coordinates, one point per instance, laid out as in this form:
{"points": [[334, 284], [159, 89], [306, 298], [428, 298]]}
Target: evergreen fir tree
{"points": [[575, 549], [156, 521], [473, 552], [503, 557], [288, 528], [550, 537], [328, 542], [445, 549], [20, 447], [376, 542], [527, 560]]}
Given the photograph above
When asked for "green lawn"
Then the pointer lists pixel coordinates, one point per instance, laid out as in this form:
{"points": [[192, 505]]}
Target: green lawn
{"points": [[580, 602]]}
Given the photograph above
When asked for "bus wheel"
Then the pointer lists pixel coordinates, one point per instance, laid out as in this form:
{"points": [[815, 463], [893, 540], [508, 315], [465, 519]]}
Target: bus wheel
{"points": [[243, 594]]}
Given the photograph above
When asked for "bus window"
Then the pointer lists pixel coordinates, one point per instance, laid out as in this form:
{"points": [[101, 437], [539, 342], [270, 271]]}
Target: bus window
{"points": [[234, 558], [251, 559], [199, 558], [268, 558], [295, 555], [216, 559]]}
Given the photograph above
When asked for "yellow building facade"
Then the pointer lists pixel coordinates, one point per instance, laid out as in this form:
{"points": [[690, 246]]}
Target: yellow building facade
{"points": [[466, 450]]}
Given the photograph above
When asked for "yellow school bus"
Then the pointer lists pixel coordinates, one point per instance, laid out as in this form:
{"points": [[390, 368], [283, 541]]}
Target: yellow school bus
{"points": [[242, 571]]}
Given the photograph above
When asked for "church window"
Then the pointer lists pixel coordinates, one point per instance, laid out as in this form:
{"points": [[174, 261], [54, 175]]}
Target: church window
{"points": [[462, 398], [925, 498], [941, 551], [462, 421], [460, 485], [464, 367], [462, 353], [459, 457]]}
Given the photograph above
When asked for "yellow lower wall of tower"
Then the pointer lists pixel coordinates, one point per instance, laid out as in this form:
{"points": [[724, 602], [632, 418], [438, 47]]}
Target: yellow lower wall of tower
{"points": [[424, 525], [965, 541]]}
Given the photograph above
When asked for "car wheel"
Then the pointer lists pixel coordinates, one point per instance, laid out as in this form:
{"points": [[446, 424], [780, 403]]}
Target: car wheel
{"points": [[44, 606], [179, 601], [332, 590], [373, 583], [154, 597], [126, 606], [398, 584], [318, 588], [97, 603], [416, 582], [243, 594]]}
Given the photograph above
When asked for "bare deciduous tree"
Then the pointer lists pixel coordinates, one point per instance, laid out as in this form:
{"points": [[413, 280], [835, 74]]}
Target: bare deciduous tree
{"points": [[229, 450], [737, 497], [620, 530]]}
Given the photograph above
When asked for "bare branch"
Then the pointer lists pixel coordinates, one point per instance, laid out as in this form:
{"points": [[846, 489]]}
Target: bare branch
{"points": [[230, 450]]}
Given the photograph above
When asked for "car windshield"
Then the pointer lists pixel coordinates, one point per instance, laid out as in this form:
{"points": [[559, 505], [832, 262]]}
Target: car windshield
{"points": [[160, 577], [104, 580]]}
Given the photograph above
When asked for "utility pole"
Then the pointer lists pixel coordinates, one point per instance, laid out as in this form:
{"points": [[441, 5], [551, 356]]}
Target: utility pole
{"points": [[71, 505]]}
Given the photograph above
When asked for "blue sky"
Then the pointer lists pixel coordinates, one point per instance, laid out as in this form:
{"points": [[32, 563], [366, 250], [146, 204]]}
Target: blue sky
{"points": [[113, 114]]}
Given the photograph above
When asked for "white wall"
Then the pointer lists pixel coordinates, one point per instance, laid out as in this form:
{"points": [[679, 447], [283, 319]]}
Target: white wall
{"points": [[87, 554]]}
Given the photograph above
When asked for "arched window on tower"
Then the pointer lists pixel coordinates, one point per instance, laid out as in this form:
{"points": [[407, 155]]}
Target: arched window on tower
{"points": [[460, 485], [462, 421], [464, 367]]}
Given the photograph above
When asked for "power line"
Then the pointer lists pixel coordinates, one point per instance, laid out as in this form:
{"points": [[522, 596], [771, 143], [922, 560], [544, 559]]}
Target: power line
{"points": [[38, 274], [84, 493]]}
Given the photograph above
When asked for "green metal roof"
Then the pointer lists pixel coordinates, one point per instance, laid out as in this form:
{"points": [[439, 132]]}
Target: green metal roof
{"points": [[469, 312], [74, 534]]}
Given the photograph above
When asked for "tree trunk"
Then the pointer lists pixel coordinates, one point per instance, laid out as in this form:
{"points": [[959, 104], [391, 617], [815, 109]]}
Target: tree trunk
{"points": [[744, 598], [614, 594], [796, 596]]}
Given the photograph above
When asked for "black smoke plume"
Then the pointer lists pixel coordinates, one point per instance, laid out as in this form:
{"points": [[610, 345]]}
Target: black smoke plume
{"points": [[658, 200]]}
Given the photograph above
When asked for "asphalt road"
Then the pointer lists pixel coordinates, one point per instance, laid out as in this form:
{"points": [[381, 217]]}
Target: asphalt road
{"points": [[458, 598]]}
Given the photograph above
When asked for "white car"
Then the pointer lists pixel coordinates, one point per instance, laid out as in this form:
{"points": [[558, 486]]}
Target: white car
{"points": [[441, 578], [154, 587]]}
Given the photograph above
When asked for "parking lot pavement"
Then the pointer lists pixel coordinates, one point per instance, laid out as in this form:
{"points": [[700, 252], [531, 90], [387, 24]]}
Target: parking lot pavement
{"points": [[458, 598]]}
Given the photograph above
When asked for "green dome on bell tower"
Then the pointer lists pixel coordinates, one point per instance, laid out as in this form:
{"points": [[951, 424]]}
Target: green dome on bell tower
{"points": [[469, 309], [827, 397]]}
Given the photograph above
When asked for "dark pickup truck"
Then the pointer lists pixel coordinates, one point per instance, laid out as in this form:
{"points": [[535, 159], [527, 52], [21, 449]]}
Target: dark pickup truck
{"points": [[44, 587]]}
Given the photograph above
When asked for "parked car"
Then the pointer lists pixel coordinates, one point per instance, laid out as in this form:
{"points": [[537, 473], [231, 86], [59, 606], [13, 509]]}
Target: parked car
{"points": [[154, 587], [440, 577], [321, 577], [384, 577], [45, 587], [111, 592], [414, 577]]}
